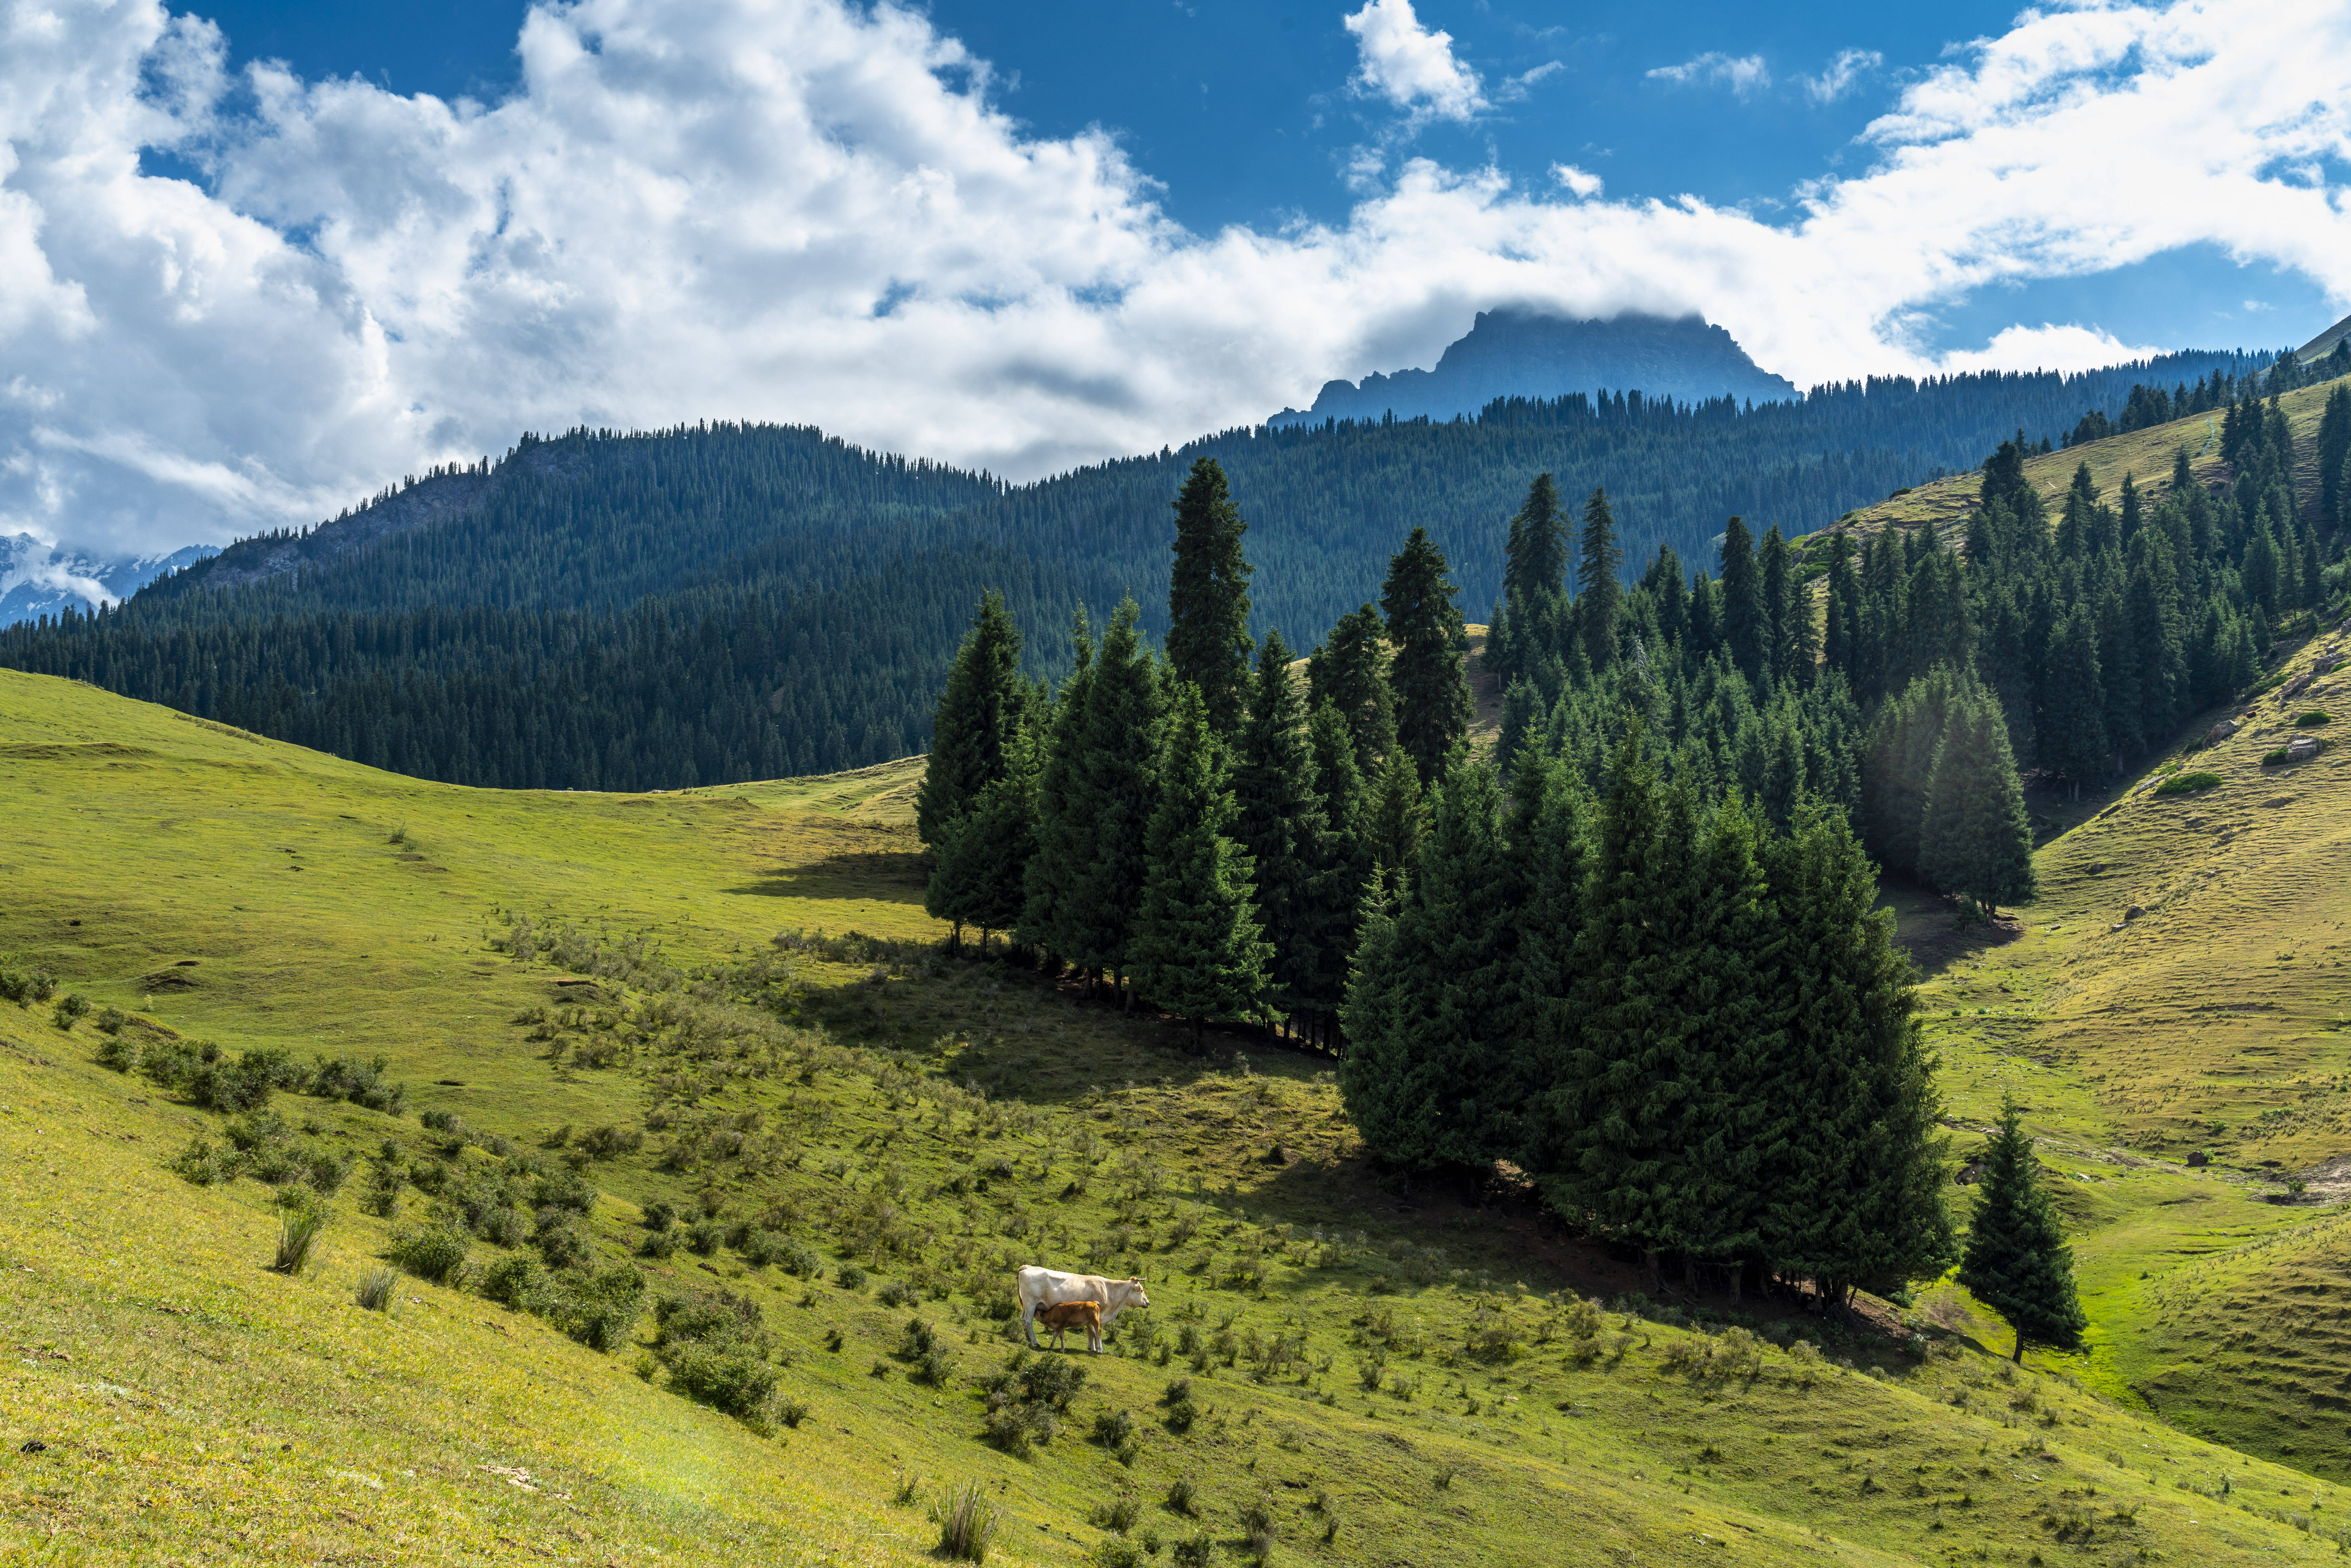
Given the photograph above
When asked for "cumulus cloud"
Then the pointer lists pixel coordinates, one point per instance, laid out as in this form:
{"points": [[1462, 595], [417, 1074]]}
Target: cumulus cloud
{"points": [[807, 211], [1410, 65], [2047, 347], [1843, 73], [1579, 182], [1745, 75]]}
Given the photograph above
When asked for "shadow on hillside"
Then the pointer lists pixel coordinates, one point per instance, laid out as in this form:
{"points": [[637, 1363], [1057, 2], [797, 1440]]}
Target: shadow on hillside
{"points": [[889, 875], [1927, 927]]}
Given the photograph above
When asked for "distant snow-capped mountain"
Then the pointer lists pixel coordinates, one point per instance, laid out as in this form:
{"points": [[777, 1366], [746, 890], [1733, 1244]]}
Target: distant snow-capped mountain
{"points": [[35, 580]]}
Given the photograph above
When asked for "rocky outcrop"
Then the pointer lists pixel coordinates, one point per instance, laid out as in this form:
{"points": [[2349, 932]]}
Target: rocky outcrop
{"points": [[1528, 354]]}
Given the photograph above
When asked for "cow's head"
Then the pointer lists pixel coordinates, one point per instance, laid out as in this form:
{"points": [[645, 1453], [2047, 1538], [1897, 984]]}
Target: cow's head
{"points": [[1129, 1293]]}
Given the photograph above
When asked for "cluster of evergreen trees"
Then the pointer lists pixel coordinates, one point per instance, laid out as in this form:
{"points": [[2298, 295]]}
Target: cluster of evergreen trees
{"points": [[1676, 1016], [1198, 828], [1689, 1028], [2097, 630]]}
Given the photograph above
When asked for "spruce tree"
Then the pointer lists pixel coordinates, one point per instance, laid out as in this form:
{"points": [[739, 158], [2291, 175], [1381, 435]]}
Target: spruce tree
{"points": [[1780, 594], [1427, 1077], [1847, 1147], [1281, 824], [1121, 762], [1429, 675], [1746, 631], [2016, 1261], [1898, 764], [1395, 818], [1974, 837], [979, 718], [1534, 557], [1616, 1105], [1350, 671], [1197, 948], [980, 875], [1208, 596], [1599, 596], [1056, 878], [1547, 845], [2072, 724], [1340, 862]]}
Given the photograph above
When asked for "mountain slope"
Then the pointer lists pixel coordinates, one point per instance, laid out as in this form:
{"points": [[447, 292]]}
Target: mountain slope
{"points": [[732, 602], [1525, 354], [2181, 988], [1363, 1362], [37, 580], [2145, 456]]}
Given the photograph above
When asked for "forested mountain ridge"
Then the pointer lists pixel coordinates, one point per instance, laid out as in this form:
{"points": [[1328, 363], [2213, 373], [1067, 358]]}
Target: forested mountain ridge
{"points": [[591, 520], [2145, 455], [726, 602]]}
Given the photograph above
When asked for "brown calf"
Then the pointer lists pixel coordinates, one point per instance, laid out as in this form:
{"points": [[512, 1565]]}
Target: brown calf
{"points": [[1069, 1315]]}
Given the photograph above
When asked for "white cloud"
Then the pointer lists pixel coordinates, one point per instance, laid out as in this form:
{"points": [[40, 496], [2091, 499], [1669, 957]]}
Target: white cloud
{"points": [[1581, 182], [1411, 67], [1842, 72], [689, 211], [2047, 348], [1745, 75]]}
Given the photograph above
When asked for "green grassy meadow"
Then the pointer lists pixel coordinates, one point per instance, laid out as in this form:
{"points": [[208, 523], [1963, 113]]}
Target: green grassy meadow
{"points": [[1391, 1374]]}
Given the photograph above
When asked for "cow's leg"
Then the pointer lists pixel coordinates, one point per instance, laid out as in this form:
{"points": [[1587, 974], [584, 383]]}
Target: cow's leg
{"points": [[1028, 1323], [1094, 1338]]}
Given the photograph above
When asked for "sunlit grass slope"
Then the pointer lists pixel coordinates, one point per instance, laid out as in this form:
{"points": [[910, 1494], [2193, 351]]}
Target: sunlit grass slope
{"points": [[1381, 1373], [2182, 988], [2145, 455]]}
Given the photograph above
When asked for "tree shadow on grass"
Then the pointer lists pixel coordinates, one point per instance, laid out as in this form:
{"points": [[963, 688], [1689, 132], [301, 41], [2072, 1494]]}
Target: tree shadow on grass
{"points": [[1927, 927], [888, 876]]}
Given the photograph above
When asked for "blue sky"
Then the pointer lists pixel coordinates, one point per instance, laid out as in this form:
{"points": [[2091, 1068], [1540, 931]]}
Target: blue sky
{"points": [[259, 260], [1241, 114]]}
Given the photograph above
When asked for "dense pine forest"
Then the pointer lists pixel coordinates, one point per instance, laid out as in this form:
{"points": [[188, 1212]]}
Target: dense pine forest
{"points": [[1631, 951], [724, 602]]}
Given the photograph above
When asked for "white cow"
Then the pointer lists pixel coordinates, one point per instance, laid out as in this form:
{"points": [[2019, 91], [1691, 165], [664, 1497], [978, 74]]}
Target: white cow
{"points": [[1041, 1287]]}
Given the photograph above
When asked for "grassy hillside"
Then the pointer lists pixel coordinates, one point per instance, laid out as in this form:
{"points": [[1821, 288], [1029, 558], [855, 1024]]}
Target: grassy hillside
{"points": [[2180, 991], [2145, 455], [1377, 1374]]}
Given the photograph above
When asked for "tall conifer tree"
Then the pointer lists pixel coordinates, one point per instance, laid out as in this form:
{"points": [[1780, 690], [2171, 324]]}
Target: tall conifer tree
{"points": [[1849, 1155], [1196, 949], [1350, 671], [1208, 596], [1056, 878], [1974, 837], [1122, 776], [1746, 629], [982, 866], [1281, 824], [1599, 596], [1429, 676], [2017, 1262], [1534, 557], [1430, 1042], [979, 718]]}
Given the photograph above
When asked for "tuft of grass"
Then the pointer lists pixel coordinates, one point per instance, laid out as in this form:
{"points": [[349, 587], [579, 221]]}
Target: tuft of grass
{"points": [[299, 1227], [967, 1521], [377, 1290]]}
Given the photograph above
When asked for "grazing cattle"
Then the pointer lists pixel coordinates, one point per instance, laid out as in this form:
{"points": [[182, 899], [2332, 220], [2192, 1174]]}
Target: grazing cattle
{"points": [[1069, 1315], [1041, 1287]]}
